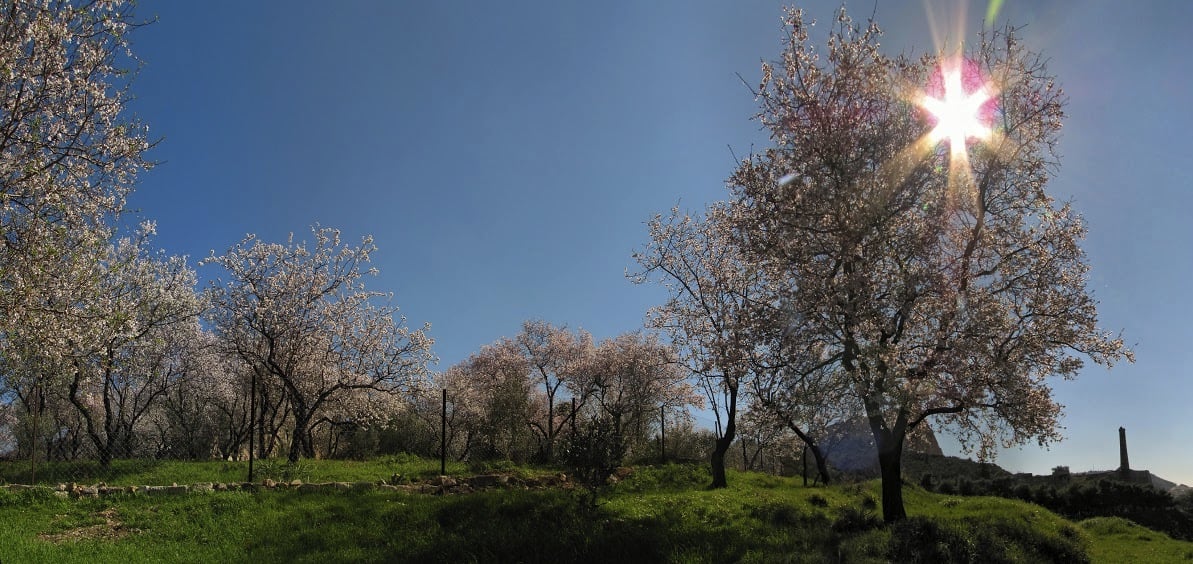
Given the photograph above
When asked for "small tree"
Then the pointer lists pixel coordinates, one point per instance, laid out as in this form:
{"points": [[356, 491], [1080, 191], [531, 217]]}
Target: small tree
{"points": [[594, 452], [131, 327], [713, 294], [556, 357]]}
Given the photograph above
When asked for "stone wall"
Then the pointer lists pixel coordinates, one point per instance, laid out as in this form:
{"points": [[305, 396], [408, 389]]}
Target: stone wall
{"points": [[439, 485]]}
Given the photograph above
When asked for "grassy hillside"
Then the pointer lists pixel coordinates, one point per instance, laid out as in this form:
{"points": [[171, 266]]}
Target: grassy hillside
{"points": [[658, 514]]}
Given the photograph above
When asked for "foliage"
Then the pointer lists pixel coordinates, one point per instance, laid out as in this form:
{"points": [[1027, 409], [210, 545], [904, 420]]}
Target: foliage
{"points": [[71, 153]]}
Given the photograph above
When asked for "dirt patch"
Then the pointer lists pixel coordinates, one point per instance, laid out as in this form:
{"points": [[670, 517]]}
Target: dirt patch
{"points": [[111, 529]]}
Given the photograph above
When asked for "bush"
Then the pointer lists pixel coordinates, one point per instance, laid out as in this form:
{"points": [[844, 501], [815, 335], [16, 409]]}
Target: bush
{"points": [[593, 454], [855, 520]]}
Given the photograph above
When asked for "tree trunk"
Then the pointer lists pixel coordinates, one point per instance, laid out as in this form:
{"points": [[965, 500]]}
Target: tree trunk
{"points": [[890, 451], [550, 428], [718, 461], [821, 463], [300, 443], [723, 443]]}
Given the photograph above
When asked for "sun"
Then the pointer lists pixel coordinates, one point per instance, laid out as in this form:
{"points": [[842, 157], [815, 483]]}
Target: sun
{"points": [[960, 114]]}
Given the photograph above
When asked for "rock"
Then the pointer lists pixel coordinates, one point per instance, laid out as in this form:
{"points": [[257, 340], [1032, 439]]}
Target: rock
{"points": [[489, 481], [295, 483], [88, 491], [203, 487], [219, 487], [341, 486], [269, 483], [362, 486], [444, 481]]}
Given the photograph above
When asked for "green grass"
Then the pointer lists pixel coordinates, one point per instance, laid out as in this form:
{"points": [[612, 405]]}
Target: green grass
{"points": [[658, 514], [1119, 540]]}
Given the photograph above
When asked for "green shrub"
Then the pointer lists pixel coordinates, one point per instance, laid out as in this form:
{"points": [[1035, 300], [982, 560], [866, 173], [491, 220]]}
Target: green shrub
{"points": [[855, 520]]}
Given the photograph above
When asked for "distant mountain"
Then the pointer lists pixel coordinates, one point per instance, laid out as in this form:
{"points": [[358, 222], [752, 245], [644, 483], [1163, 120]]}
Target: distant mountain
{"points": [[1170, 487], [849, 446]]}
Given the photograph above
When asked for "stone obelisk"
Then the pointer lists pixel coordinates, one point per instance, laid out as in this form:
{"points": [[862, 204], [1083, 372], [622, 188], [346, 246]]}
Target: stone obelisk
{"points": [[1123, 465]]}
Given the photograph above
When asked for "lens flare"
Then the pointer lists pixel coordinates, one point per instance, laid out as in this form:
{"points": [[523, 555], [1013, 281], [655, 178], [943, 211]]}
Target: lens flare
{"points": [[992, 11], [960, 114]]}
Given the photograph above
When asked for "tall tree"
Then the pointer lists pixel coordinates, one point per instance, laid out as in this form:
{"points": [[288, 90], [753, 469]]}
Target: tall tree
{"points": [[69, 156], [302, 318], [926, 261]]}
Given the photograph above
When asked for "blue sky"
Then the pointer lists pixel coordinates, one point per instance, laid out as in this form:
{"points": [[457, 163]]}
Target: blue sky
{"points": [[505, 155]]}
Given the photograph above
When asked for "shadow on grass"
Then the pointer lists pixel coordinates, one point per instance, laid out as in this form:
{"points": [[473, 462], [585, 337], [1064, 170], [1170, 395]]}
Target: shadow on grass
{"points": [[506, 526]]}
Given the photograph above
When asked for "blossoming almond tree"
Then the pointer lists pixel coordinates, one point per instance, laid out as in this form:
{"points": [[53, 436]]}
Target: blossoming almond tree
{"points": [[301, 317], [132, 327], [69, 156], [68, 153], [556, 357], [491, 395], [714, 295], [934, 281], [630, 377]]}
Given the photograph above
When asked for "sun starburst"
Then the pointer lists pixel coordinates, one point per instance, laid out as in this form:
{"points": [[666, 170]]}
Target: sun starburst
{"points": [[958, 113]]}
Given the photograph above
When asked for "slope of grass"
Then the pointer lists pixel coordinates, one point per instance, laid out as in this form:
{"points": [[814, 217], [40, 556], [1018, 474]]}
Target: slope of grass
{"points": [[658, 514], [1118, 540]]}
